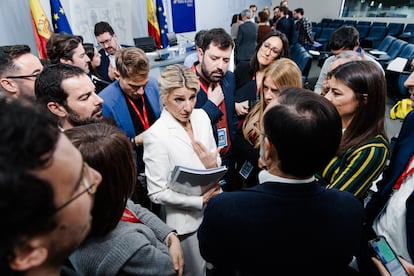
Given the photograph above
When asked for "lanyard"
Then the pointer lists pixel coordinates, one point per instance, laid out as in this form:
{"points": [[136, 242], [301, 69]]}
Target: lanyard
{"points": [[404, 175], [202, 83], [130, 216], [143, 119]]}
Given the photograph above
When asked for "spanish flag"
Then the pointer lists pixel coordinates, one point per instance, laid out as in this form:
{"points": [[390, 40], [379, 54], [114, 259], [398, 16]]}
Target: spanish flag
{"points": [[41, 27], [153, 27]]}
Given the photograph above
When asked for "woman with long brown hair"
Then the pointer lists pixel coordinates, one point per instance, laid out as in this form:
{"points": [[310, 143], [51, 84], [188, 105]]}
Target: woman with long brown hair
{"points": [[358, 90]]}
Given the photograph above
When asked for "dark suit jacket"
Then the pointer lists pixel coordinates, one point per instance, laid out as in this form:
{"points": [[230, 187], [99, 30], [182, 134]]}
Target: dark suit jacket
{"points": [[246, 41], [103, 67], [279, 227], [286, 26], [214, 112], [402, 151]]}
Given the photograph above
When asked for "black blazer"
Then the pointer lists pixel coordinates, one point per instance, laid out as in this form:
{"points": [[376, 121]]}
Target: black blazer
{"points": [[246, 41], [103, 67], [279, 227]]}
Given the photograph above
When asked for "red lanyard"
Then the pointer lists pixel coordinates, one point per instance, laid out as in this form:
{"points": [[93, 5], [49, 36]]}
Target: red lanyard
{"points": [[143, 119], [130, 216], [202, 83], [404, 175]]}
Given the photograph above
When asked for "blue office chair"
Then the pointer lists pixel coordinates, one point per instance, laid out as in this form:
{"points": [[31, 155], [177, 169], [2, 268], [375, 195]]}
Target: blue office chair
{"points": [[363, 23], [316, 31], [302, 58], [408, 32], [395, 48], [407, 52], [374, 37], [336, 23], [382, 24], [385, 43], [350, 22], [324, 37], [325, 21], [363, 31], [395, 29]]}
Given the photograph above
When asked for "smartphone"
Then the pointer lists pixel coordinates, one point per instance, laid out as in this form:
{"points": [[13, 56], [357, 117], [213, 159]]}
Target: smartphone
{"points": [[387, 256]]}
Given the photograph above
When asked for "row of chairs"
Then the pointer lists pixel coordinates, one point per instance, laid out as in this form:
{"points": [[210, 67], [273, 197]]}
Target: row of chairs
{"points": [[397, 28], [388, 50], [371, 35]]}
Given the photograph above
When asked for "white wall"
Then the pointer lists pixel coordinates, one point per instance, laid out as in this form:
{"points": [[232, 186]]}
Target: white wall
{"points": [[127, 17]]}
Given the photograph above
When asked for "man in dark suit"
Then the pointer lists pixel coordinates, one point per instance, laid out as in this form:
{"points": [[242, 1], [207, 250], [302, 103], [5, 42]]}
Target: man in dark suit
{"points": [[288, 223], [108, 40], [286, 24], [246, 38], [216, 94]]}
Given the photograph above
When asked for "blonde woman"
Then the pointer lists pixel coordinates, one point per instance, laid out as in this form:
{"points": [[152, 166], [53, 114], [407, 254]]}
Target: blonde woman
{"points": [[280, 74], [181, 136]]}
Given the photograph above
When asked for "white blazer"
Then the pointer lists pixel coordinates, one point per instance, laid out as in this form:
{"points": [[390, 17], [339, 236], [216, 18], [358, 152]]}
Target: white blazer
{"points": [[167, 144]]}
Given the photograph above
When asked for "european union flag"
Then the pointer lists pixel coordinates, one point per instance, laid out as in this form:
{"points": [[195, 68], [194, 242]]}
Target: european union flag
{"points": [[59, 21], [162, 23]]}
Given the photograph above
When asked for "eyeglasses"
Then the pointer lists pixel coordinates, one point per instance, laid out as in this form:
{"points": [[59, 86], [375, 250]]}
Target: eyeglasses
{"points": [[105, 41], [266, 46], [89, 183], [35, 75]]}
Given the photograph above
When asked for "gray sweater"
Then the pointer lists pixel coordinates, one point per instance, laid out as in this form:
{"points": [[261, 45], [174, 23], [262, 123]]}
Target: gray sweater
{"points": [[130, 249]]}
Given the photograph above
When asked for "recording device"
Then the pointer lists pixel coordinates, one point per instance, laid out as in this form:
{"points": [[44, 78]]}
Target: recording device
{"points": [[387, 256]]}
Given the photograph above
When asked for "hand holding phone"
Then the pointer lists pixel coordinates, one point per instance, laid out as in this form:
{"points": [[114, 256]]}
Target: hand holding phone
{"points": [[387, 256]]}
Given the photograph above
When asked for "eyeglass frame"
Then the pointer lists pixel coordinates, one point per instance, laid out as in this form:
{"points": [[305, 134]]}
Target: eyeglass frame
{"points": [[34, 75], [89, 188], [107, 41], [266, 46]]}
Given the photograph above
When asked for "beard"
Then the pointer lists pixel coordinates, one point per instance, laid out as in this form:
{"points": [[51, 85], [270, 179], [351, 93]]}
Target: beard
{"points": [[209, 75], [75, 119]]}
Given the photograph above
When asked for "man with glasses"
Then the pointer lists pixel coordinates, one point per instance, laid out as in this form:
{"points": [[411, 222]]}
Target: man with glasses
{"points": [[133, 101], [289, 212], [46, 192], [68, 93], [342, 39], [108, 40], [18, 71]]}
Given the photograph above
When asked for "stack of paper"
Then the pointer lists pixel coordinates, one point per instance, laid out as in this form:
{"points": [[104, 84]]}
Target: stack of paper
{"points": [[194, 181]]}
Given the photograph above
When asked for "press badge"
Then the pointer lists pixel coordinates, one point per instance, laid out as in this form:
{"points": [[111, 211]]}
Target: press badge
{"points": [[246, 169], [222, 137]]}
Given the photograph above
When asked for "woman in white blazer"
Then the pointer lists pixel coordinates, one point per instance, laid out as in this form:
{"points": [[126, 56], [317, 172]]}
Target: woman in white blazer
{"points": [[181, 136]]}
